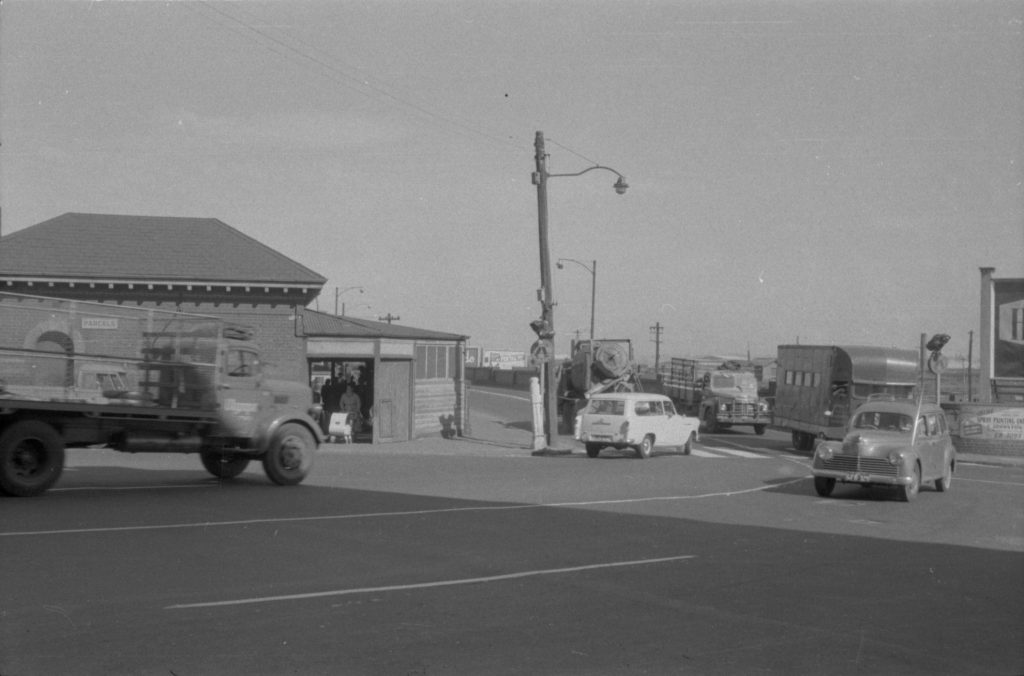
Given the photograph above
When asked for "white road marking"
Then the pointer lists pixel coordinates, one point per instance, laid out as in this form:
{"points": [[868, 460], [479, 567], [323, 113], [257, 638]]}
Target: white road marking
{"points": [[127, 488], [427, 585], [713, 450], [419, 512]]}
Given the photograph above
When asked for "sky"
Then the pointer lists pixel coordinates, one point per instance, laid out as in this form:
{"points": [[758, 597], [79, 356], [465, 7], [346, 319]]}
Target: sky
{"points": [[799, 171]]}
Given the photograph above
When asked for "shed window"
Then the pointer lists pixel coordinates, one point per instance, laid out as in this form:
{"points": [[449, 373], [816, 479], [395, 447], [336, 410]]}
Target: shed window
{"points": [[435, 361]]}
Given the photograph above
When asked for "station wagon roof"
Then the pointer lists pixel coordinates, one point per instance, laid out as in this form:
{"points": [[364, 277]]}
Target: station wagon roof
{"points": [[630, 396]]}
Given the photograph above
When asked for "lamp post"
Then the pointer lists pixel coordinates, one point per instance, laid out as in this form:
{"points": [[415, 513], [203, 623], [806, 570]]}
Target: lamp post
{"points": [[545, 327], [337, 294], [592, 269]]}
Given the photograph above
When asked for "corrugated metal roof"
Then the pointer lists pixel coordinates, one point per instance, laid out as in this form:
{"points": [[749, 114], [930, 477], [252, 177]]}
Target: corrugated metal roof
{"points": [[102, 246], [320, 324]]}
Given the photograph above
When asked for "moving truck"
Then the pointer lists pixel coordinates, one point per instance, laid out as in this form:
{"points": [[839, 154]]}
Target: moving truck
{"points": [[75, 374]]}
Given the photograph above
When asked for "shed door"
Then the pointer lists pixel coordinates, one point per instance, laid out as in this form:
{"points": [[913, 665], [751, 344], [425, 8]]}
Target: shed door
{"points": [[391, 414]]}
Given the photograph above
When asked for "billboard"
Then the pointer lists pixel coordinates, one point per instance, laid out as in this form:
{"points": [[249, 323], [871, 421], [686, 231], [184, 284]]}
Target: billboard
{"points": [[1008, 329], [504, 359]]}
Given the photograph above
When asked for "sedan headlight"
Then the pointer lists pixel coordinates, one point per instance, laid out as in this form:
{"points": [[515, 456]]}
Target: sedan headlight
{"points": [[895, 457], [825, 452]]}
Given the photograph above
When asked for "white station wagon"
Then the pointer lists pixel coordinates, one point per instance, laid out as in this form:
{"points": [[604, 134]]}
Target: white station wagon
{"points": [[636, 420]]}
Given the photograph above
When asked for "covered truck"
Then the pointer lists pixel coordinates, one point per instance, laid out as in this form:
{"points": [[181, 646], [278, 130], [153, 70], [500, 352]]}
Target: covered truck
{"points": [[722, 394], [75, 374], [820, 386]]}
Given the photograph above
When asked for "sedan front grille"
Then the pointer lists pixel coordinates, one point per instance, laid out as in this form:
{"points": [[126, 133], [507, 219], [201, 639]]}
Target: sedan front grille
{"points": [[855, 463]]}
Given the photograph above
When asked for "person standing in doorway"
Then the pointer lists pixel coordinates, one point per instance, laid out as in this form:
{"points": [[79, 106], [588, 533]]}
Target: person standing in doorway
{"points": [[350, 403]]}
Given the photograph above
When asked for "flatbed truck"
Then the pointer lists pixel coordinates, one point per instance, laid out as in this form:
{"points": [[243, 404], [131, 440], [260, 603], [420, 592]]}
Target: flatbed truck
{"points": [[76, 374]]}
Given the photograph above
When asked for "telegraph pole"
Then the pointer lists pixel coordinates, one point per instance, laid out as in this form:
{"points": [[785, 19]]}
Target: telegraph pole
{"points": [[656, 330], [389, 318]]}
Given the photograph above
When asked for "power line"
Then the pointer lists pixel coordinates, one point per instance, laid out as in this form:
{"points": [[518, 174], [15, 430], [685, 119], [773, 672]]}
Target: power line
{"points": [[360, 86]]}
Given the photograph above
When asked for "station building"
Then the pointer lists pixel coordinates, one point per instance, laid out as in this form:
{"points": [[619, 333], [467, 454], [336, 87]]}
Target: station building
{"points": [[412, 380]]}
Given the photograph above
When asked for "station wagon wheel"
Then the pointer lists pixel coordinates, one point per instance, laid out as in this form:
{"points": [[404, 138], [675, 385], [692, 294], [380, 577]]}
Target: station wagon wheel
{"points": [[824, 485], [645, 447], [688, 446], [593, 450], [909, 491], [943, 483]]}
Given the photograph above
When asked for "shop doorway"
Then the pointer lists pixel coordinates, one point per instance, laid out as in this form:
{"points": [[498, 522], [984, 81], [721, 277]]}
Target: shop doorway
{"points": [[334, 382]]}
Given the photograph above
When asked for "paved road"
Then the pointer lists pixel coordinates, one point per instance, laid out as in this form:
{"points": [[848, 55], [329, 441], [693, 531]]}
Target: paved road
{"points": [[474, 556]]}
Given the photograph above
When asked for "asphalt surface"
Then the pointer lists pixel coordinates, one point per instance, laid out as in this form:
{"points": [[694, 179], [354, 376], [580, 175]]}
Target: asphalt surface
{"points": [[473, 556]]}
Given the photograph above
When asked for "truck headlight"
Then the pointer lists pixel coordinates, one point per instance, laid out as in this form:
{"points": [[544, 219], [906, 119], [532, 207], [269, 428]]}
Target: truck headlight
{"points": [[723, 408], [895, 457]]}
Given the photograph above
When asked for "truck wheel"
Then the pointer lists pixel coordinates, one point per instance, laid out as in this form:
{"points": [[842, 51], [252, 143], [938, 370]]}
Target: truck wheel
{"points": [[223, 465], [645, 447], [759, 429], [710, 421], [31, 458], [593, 450], [290, 455]]}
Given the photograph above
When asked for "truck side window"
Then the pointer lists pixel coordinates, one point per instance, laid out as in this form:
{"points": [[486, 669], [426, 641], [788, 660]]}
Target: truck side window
{"points": [[241, 363]]}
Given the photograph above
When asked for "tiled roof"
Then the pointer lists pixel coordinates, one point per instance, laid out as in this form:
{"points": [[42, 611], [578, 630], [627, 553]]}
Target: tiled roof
{"points": [[321, 324], [99, 246]]}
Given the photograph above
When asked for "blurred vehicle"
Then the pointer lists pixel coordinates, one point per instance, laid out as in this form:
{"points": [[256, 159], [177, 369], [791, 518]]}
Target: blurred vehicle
{"points": [[637, 420], [889, 442]]}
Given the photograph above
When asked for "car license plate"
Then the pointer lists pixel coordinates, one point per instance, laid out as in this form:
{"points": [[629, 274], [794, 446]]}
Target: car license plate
{"points": [[857, 477]]}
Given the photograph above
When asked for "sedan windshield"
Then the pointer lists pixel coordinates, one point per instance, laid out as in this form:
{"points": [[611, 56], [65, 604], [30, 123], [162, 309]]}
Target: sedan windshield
{"points": [[883, 420]]}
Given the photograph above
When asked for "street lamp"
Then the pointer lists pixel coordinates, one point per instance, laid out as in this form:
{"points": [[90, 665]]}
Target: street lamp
{"points": [[545, 326], [592, 269], [337, 294]]}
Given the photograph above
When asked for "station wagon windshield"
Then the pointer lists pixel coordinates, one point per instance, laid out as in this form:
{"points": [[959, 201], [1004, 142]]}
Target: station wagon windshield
{"points": [[883, 420]]}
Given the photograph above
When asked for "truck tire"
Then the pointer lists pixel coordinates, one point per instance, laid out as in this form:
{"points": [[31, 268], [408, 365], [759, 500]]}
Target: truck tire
{"points": [[710, 421], [31, 458], [290, 455], [223, 465], [759, 429]]}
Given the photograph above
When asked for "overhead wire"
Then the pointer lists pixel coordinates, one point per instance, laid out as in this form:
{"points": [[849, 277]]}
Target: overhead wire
{"points": [[359, 85]]}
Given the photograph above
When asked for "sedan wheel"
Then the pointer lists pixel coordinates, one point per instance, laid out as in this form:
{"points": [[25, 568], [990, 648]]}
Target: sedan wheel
{"points": [[943, 483], [909, 492], [593, 450], [824, 485]]}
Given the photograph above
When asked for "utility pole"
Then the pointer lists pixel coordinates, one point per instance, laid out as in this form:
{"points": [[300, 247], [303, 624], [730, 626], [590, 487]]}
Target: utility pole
{"points": [[656, 330], [546, 294], [389, 318]]}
